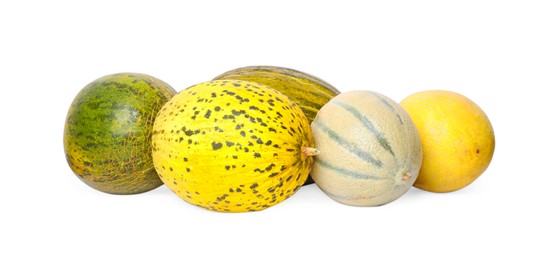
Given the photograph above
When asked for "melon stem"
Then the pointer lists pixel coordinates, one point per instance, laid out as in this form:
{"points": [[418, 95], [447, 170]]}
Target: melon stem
{"points": [[309, 151]]}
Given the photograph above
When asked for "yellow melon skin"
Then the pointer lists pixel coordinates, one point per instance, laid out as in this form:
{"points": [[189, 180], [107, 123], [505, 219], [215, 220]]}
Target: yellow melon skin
{"points": [[232, 146], [370, 151], [457, 139]]}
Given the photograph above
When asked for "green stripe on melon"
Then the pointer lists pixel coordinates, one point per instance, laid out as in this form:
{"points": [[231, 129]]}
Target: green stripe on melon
{"points": [[370, 151], [309, 92]]}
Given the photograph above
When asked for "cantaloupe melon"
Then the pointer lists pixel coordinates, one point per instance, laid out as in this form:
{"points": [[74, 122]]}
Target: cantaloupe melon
{"points": [[370, 151]]}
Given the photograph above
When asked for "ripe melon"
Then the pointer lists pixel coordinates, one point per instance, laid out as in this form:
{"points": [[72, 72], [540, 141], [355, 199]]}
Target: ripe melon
{"points": [[458, 140], [108, 131], [370, 151], [309, 92], [232, 146]]}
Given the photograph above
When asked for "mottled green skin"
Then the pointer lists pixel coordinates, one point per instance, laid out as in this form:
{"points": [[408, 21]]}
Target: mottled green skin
{"points": [[108, 131], [308, 92]]}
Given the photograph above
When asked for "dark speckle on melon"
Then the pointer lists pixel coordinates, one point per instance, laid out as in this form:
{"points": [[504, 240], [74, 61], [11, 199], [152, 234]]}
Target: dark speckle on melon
{"points": [[307, 91], [242, 161], [108, 130]]}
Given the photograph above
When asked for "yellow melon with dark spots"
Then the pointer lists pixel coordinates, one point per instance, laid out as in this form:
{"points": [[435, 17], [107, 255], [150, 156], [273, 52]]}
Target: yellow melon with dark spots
{"points": [[232, 146], [310, 93]]}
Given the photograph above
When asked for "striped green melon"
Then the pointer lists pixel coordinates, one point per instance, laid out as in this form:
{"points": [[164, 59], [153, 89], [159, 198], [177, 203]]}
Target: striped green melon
{"points": [[108, 132], [370, 151], [309, 92]]}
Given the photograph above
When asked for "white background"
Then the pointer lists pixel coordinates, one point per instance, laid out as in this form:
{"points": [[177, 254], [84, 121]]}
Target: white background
{"points": [[500, 54]]}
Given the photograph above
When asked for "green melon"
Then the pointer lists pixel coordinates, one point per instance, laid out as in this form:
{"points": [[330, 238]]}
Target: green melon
{"points": [[309, 92], [108, 132], [370, 150]]}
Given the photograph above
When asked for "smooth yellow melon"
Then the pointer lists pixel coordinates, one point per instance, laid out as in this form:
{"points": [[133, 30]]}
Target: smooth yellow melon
{"points": [[457, 139]]}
